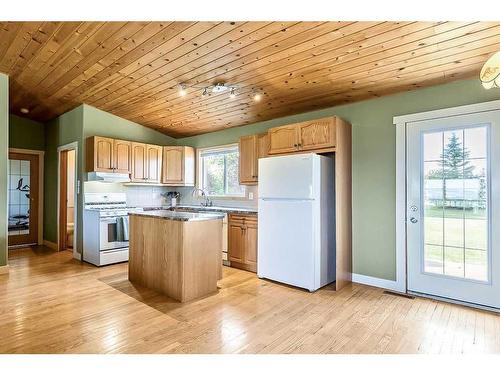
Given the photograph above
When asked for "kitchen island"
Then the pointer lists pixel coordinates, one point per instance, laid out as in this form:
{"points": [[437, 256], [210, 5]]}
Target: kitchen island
{"points": [[176, 253]]}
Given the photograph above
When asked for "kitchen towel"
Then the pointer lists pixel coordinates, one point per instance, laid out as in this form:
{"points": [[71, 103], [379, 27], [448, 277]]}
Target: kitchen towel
{"points": [[122, 228]]}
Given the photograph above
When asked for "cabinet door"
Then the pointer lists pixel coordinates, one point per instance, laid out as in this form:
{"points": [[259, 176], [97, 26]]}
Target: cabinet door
{"points": [[122, 156], [251, 245], [153, 160], [138, 162], [248, 149], [173, 165], [103, 154], [283, 139], [263, 145], [236, 242], [317, 134]]}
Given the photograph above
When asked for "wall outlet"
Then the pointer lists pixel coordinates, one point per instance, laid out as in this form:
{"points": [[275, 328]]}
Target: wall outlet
{"points": [[250, 195]]}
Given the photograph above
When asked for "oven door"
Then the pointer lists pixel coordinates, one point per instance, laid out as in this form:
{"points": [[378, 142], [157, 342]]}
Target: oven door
{"points": [[108, 235]]}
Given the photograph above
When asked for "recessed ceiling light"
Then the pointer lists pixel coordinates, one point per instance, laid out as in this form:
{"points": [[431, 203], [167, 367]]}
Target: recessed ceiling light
{"points": [[182, 90], [24, 110], [257, 97]]}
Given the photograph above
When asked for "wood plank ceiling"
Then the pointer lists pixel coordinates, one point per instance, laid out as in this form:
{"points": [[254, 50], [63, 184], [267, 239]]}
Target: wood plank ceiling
{"points": [[133, 69]]}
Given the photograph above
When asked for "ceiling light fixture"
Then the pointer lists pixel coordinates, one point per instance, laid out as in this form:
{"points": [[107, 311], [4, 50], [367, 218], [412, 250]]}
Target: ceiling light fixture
{"points": [[24, 110], [257, 97], [182, 89], [232, 94], [205, 92], [490, 73]]}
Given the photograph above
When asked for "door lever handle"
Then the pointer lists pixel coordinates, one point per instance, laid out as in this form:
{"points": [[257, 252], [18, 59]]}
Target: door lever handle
{"points": [[413, 220]]}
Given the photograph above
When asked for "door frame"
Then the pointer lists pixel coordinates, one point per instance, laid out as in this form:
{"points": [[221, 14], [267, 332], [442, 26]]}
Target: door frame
{"points": [[68, 147], [401, 173], [41, 179]]}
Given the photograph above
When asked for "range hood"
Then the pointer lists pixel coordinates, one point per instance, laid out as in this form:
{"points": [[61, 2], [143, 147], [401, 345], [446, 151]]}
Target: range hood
{"points": [[108, 177]]}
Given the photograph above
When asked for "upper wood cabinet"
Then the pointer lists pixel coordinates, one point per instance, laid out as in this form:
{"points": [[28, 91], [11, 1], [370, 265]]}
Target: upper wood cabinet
{"points": [[248, 150], [122, 156], [108, 155], [178, 166], [153, 163], [242, 241], [263, 145], [283, 139], [305, 136], [251, 148], [317, 134], [146, 163]]}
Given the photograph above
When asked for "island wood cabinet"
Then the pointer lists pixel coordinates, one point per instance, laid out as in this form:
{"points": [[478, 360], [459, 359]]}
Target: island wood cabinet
{"points": [[108, 155], [251, 148], [146, 163], [242, 241], [178, 166], [305, 136]]}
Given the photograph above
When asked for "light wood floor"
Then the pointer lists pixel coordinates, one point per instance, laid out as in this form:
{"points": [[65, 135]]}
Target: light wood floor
{"points": [[50, 303]]}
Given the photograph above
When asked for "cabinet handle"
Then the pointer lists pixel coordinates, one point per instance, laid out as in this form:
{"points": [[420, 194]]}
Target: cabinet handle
{"points": [[300, 144], [295, 145]]}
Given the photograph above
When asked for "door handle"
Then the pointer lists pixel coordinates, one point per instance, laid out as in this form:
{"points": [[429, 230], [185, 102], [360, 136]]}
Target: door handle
{"points": [[413, 220]]}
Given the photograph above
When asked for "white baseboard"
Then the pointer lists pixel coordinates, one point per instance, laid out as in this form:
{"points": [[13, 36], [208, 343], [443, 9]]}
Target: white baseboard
{"points": [[4, 269], [50, 244], [375, 281]]}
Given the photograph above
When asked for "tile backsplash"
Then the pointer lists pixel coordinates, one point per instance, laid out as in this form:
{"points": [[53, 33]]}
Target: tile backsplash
{"points": [[143, 196], [188, 199]]}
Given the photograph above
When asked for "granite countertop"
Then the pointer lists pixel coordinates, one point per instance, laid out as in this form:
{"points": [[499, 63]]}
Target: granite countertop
{"points": [[179, 216], [234, 210]]}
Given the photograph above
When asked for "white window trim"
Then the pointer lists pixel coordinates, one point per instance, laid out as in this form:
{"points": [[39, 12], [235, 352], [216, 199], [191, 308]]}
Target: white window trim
{"points": [[400, 284], [199, 172]]}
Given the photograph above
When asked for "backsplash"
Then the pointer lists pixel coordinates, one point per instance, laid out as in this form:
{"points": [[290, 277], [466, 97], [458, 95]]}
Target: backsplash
{"points": [[143, 196], [188, 199], [137, 195]]}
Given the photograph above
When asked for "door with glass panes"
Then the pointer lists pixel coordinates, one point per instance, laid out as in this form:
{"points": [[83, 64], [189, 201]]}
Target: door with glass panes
{"points": [[23, 198], [453, 208]]}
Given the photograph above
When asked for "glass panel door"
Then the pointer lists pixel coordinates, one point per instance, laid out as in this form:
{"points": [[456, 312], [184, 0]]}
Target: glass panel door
{"points": [[23, 198], [453, 178]]}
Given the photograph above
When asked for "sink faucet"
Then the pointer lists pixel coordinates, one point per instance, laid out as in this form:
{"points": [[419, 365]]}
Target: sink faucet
{"points": [[208, 201]]}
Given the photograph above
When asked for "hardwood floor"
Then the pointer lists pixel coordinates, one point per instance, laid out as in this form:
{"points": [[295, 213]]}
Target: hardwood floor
{"points": [[50, 303]]}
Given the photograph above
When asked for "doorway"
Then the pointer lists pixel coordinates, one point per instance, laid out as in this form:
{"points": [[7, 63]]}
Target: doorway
{"points": [[24, 227], [453, 208], [67, 199]]}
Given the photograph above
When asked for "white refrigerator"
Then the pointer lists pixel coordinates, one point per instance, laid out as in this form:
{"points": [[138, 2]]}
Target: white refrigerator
{"points": [[296, 235]]}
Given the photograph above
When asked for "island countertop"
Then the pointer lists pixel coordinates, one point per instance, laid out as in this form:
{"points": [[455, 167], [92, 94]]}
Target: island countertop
{"points": [[179, 216]]}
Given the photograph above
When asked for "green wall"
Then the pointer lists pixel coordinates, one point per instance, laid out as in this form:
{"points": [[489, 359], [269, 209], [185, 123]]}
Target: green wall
{"points": [[374, 172], [26, 133], [61, 131], [97, 122], [4, 157]]}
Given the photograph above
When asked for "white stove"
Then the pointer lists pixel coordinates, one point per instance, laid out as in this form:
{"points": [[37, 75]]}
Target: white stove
{"points": [[102, 243]]}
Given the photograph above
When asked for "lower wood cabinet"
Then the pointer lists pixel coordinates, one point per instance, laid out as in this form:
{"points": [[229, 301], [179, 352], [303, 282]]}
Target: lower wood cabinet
{"points": [[242, 241]]}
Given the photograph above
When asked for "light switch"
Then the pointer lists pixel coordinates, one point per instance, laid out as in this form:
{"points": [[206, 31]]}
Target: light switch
{"points": [[250, 195]]}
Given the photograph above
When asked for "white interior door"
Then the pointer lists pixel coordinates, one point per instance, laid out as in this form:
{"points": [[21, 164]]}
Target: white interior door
{"points": [[453, 207]]}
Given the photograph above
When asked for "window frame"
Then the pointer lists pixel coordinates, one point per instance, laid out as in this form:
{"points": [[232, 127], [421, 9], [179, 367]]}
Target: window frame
{"points": [[199, 171]]}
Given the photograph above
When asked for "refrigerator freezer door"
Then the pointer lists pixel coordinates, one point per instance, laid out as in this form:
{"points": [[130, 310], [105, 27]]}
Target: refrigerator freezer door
{"points": [[286, 177], [286, 242]]}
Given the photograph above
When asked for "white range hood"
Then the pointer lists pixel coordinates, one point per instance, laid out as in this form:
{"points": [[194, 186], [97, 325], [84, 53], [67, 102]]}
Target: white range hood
{"points": [[108, 177]]}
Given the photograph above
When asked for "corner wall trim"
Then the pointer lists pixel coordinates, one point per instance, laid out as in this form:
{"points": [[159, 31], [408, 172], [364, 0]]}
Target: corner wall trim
{"points": [[4, 269], [376, 282], [50, 244]]}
